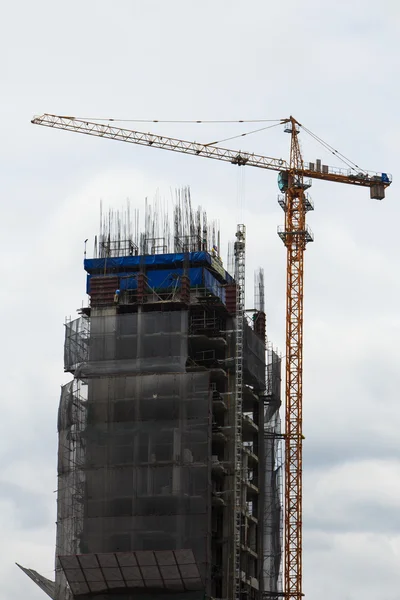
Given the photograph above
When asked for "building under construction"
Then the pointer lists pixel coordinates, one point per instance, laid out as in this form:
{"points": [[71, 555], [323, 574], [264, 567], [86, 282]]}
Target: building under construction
{"points": [[169, 472]]}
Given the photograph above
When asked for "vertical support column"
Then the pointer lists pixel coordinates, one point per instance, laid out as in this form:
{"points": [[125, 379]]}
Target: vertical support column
{"points": [[141, 284], [260, 326], [295, 244], [185, 289], [230, 298], [240, 273], [295, 237]]}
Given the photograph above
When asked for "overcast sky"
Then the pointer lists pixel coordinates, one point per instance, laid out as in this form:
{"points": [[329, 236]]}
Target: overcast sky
{"points": [[335, 67]]}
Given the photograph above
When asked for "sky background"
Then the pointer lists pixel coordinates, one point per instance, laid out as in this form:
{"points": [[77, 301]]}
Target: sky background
{"points": [[335, 67]]}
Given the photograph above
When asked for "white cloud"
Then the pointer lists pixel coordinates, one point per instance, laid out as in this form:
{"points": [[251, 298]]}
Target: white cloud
{"points": [[334, 67]]}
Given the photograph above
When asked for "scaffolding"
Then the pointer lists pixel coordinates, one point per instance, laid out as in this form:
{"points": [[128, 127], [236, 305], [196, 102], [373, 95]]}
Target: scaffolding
{"points": [[240, 274], [72, 422], [273, 504], [125, 484]]}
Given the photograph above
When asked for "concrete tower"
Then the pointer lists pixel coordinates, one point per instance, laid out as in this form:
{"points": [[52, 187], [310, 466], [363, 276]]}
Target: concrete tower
{"points": [[148, 429]]}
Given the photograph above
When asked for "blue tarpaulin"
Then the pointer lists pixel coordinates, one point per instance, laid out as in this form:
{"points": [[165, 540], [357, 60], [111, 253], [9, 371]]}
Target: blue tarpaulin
{"points": [[150, 260], [213, 286], [125, 264], [162, 279]]}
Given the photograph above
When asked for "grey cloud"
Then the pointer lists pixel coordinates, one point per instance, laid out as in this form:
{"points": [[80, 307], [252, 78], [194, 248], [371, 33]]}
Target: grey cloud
{"points": [[31, 509], [354, 517], [336, 450]]}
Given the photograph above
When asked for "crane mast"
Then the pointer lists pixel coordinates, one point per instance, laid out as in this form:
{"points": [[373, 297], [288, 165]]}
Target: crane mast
{"points": [[295, 236]]}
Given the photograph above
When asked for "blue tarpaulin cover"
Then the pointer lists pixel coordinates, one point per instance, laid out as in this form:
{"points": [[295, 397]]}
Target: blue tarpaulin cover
{"points": [[125, 264], [162, 279], [154, 260]]}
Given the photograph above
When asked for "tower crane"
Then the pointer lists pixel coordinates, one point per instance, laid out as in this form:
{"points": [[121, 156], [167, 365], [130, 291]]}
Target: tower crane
{"points": [[294, 179]]}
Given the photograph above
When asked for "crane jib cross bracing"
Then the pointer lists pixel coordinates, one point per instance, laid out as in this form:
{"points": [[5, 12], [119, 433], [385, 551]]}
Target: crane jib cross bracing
{"points": [[294, 179]]}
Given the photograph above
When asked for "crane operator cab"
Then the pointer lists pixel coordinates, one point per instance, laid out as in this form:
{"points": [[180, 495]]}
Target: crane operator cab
{"points": [[283, 182]]}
